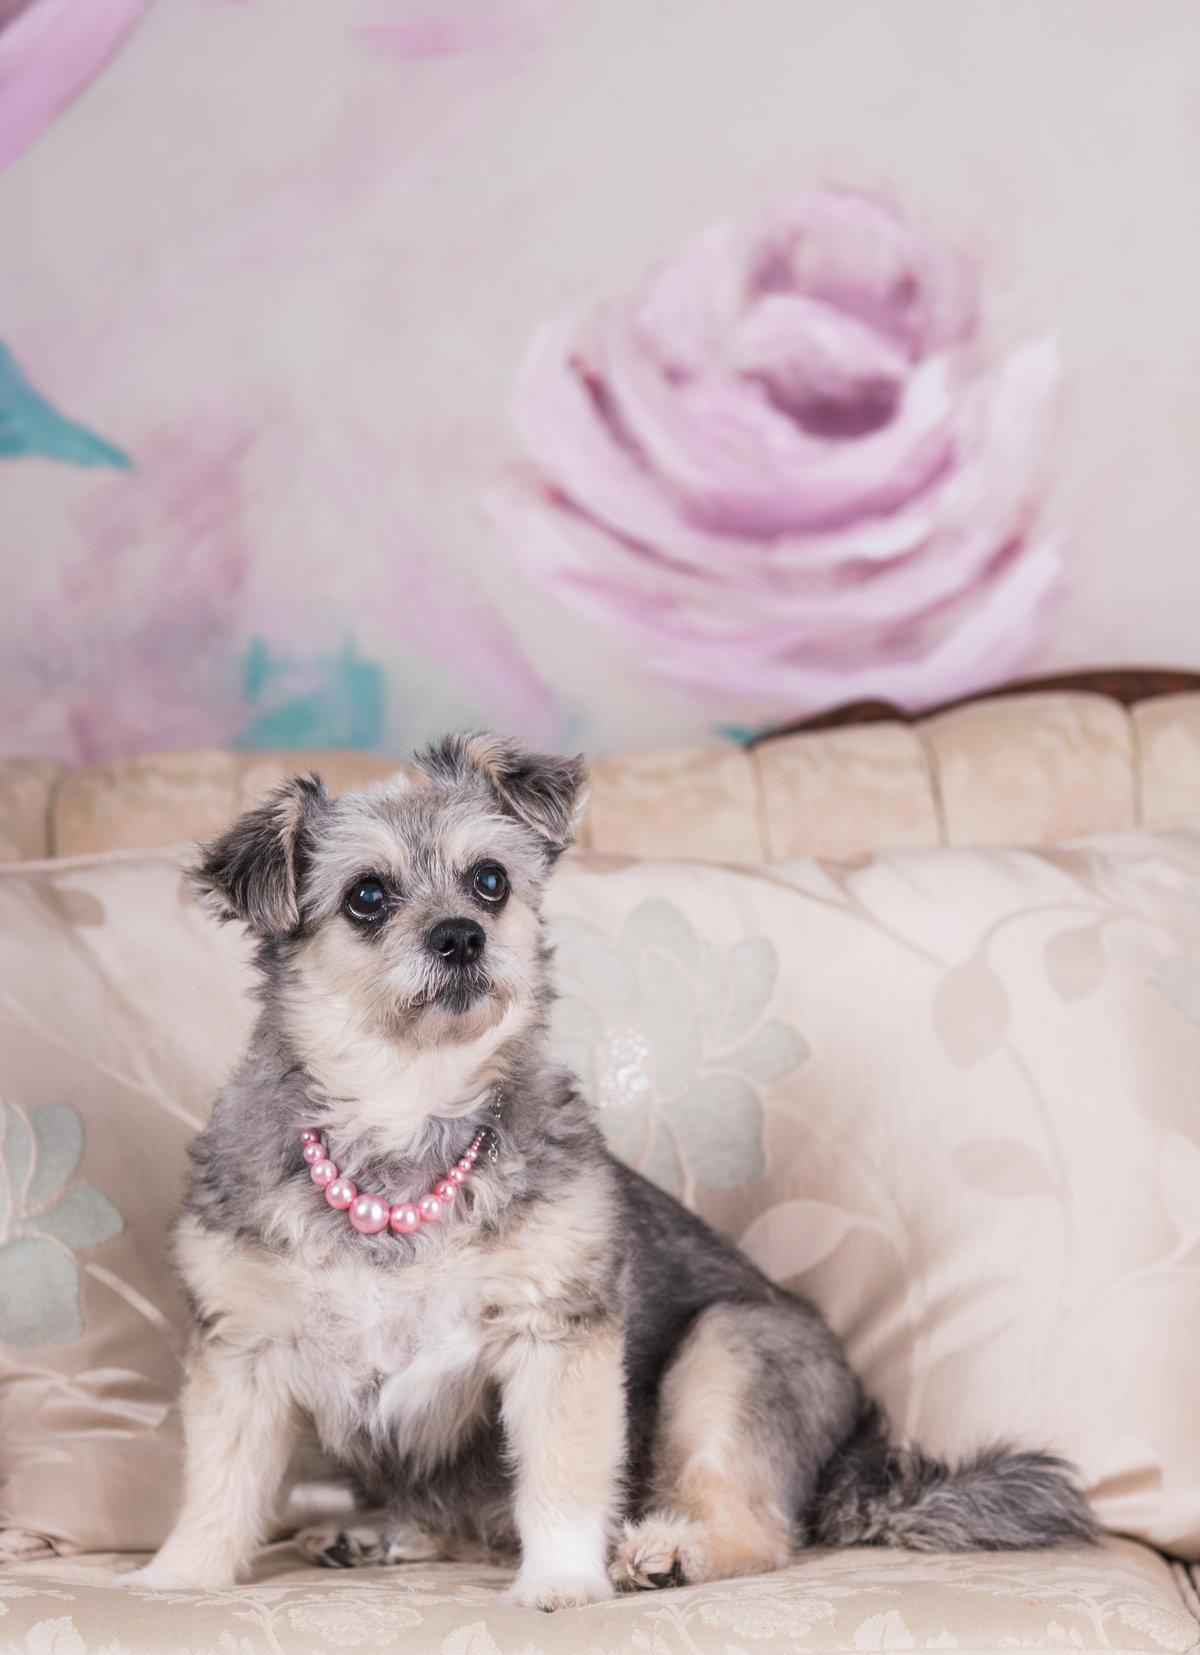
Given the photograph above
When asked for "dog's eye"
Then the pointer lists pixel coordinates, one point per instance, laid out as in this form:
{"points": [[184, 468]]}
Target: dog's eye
{"points": [[366, 899], [490, 882]]}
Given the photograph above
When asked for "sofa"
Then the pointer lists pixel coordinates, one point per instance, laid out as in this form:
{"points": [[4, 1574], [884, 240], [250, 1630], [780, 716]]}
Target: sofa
{"points": [[909, 1007]]}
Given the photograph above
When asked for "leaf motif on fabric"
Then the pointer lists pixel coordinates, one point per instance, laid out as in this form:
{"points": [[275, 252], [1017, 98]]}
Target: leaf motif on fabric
{"points": [[886, 1630], [1003, 1167], [39, 1280], [661, 1164], [1179, 1183], [58, 1131], [576, 1055], [794, 1236], [971, 1012], [1075, 961], [347, 1620], [752, 968], [622, 1071], [571, 987], [657, 923], [604, 974], [714, 994], [566, 929], [720, 1123], [469, 1640], [81, 1217], [17, 1146], [774, 1051], [1179, 980], [758, 1614], [571, 1019], [39, 1294], [628, 1136], [671, 1019], [663, 1024]]}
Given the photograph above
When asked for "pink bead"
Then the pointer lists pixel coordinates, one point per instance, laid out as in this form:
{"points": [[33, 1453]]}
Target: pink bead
{"points": [[456, 1174], [464, 1166], [405, 1219], [472, 1155], [445, 1191], [341, 1193], [310, 1135], [429, 1208], [313, 1152], [322, 1172], [369, 1214]]}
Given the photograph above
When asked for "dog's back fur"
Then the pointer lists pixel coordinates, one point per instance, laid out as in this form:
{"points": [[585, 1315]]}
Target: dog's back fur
{"points": [[567, 1365]]}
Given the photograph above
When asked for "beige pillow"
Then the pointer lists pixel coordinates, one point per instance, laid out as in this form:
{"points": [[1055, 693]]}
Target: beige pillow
{"points": [[121, 1006], [954, 1096], [951, 1094]]}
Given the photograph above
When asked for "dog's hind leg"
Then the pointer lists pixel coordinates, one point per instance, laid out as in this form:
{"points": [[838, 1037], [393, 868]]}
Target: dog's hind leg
{"points": [[733, 1458]]}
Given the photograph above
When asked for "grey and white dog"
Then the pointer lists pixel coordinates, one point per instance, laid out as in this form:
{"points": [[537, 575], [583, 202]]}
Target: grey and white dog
{"points": [[565, 1364]]}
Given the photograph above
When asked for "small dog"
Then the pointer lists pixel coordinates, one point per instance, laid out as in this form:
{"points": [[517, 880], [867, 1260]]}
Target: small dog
{"points": [[403, 1225]]}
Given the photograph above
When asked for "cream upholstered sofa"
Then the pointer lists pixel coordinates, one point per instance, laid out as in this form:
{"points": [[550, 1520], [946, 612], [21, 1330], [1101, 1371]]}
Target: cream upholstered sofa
{"points": [[856, 845]]}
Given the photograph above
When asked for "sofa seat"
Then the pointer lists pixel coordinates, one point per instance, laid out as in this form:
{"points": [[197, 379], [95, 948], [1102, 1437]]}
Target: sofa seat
{"points": [[1120, 1595]]}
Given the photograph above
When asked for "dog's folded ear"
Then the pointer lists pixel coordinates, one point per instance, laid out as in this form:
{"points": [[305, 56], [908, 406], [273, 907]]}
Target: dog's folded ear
{"points": [[252, 871], [545, 791]]}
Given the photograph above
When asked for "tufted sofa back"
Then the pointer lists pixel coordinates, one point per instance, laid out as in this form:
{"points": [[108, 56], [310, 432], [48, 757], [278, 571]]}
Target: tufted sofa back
{"points": [[1017, 769]]}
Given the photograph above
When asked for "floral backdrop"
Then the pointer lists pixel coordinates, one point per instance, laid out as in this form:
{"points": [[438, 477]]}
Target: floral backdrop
{"points": [[361, 374]]}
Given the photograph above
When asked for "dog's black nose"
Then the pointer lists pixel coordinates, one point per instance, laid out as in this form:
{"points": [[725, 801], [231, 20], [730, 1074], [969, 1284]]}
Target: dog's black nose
{"points": [[457, 941]]}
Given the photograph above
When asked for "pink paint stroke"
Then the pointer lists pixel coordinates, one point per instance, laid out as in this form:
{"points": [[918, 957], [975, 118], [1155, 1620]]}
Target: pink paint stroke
{"points": [[791, 467], [137, 643], [48, 54]]}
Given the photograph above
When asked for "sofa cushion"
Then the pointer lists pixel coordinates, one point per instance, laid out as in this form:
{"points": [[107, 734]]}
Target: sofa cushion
{"points": [[121, 1005], [1121, 1597], [950, 1094]]}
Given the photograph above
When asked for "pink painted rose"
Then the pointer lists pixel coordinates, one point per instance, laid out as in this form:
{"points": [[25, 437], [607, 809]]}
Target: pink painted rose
{"points": [[790, 468]]}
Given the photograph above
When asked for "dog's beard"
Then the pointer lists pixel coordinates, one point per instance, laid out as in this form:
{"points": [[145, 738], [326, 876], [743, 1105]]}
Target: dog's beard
{"points": [[458, 1005], [458, 993]]}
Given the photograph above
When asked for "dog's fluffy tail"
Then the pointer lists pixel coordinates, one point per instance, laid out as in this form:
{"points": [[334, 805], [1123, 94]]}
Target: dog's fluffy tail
{"points": [[874, 1494]]}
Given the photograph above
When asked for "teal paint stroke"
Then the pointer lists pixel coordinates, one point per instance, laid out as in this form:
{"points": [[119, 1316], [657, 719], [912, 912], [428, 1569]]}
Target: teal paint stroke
{"points": [[324, 701], [746, 735], [29, 425]]}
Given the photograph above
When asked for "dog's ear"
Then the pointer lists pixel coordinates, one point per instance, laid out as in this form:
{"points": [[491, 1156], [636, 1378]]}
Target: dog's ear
{"points": [[252, 871], [545, 791]]}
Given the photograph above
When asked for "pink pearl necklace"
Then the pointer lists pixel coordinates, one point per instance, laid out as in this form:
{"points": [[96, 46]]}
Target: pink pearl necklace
{"points": [[369, 1214]]}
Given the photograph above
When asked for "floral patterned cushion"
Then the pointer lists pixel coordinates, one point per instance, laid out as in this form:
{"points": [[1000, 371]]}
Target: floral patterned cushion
{"points": [[1120, 1597], [121, 1005], [950, 1094]]}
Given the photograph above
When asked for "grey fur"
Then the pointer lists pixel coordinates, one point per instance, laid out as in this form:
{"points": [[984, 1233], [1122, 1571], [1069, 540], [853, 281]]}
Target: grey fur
{"points": [[659, 1275]]}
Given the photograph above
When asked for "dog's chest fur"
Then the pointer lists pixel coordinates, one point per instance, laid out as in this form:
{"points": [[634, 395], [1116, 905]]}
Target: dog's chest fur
{"points": [[402, 1356], [408, 1364]]}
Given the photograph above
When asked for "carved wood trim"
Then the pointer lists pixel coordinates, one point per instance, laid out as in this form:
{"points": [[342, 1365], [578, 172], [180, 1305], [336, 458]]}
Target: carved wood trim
{"points": [[1124, 684]]}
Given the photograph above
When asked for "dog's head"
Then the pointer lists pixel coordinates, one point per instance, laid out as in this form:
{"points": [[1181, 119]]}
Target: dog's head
{"points": [[414, 910]]}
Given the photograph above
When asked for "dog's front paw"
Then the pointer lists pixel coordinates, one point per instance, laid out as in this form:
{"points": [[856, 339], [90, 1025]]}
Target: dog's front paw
{"points": [[151, 1578], [558, 1591]]}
